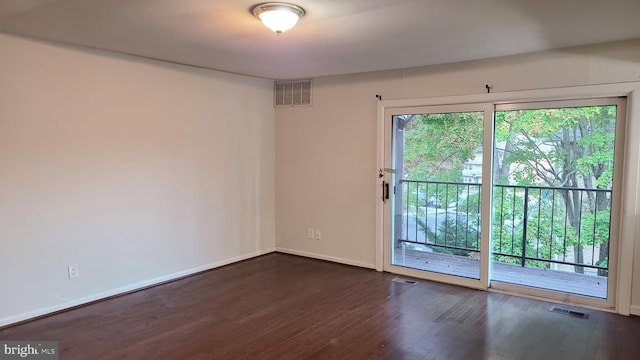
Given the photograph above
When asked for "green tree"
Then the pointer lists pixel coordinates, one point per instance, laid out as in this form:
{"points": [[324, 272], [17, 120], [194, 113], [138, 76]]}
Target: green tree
{"points": [[456, 234], [437, 145], [565, 147]]}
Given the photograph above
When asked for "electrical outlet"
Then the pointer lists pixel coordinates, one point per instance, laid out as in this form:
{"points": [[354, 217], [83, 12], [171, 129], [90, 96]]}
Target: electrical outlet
{"points": [[74, 271], [318, 235], [310, 233]]}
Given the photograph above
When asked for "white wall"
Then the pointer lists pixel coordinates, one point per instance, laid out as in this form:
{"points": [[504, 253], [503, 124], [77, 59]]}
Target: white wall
{"points": [[326, 154], [136, 170]]}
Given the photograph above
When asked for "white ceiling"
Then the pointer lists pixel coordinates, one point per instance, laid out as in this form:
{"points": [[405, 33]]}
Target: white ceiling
{"points": [[335, 37]]}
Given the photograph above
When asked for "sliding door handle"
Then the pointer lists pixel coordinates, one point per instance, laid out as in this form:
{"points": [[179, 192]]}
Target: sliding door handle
{"points": [[385, 191]]}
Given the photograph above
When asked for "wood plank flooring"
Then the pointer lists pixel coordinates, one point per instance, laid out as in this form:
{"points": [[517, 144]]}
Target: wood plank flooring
{"points": [[286, 307]]}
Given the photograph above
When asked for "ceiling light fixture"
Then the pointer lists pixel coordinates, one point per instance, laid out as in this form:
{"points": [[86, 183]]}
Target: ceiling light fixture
{"points": [[278, 17]]}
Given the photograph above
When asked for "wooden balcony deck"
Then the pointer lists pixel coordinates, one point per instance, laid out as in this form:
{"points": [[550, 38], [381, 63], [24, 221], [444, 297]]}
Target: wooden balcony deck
{"points": [[587, 285]]}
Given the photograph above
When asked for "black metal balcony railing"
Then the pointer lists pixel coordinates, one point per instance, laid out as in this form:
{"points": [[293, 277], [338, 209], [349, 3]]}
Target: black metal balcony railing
{"points": [[532, 225]]}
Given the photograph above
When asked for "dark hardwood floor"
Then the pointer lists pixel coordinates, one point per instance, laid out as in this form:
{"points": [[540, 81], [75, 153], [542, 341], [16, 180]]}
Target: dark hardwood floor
{"points": [[286, 307]]}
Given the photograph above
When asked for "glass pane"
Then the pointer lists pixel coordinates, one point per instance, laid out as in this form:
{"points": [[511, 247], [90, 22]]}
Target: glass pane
{"points": [[438, 162], [553, 171]]}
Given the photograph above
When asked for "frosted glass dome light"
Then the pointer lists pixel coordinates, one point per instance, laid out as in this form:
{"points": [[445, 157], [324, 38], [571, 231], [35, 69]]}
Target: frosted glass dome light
{"points": [[278, 17]]}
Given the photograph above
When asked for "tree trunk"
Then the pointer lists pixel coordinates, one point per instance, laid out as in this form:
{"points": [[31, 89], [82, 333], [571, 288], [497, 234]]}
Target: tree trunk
{"points": [[602, 256], [578, 254], [598, 201], [502, 170]]}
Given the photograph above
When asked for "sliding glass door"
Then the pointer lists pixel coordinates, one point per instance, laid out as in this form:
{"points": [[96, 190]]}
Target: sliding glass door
{"points": [[513, 196], [553, 182], [437, 156]]}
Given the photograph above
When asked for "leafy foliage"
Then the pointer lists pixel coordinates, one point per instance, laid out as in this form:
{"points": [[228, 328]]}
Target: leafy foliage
{"points": [[561, 148], [456, 235], [564, 148], [452, 139]]}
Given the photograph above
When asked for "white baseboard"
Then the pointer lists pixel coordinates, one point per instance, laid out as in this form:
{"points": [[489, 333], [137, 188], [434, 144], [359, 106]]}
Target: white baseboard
{"points": [[325, 257], [635, 310], [122, 290]]}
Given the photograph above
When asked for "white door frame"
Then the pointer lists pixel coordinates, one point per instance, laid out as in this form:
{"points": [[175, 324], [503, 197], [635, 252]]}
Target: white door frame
{"points": [[629, 206]]}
